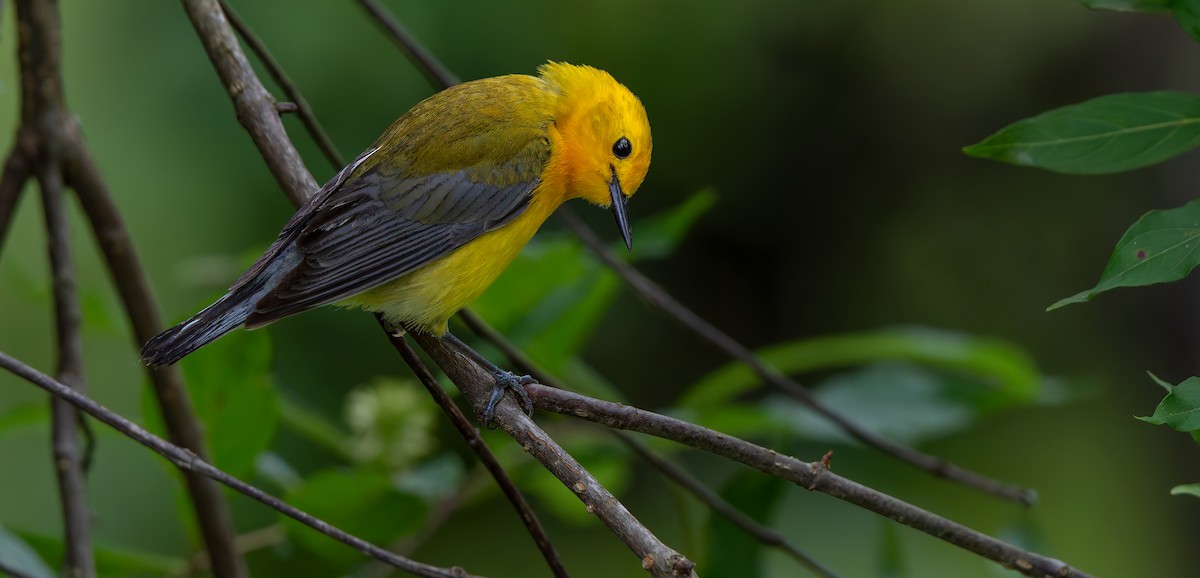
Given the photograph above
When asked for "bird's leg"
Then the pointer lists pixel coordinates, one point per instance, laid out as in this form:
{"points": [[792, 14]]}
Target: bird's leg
{"points": [[504, 380]]}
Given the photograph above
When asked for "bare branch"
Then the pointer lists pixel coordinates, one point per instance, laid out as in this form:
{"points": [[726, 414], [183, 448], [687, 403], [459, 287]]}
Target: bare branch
{"points": [[811, 476], [288, 87], [471, 435], [476, 384], [659, 298], [187, 460], [254, 105], [68, 461], [437, 74]]}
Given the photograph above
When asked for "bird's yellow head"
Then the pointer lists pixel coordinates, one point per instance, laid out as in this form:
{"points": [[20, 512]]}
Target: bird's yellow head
{"points": [[606, 135]]}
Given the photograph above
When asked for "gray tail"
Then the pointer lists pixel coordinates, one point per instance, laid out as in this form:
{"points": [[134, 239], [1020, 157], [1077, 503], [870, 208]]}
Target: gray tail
{"points": [[221, 317], [201, 329]]}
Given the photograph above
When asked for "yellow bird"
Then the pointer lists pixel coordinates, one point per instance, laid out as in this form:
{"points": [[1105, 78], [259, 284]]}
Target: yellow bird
{"points": [[424, 221]]}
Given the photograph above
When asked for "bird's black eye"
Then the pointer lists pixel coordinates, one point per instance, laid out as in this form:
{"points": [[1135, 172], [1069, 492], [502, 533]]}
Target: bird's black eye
{"points": [[622, 148]]}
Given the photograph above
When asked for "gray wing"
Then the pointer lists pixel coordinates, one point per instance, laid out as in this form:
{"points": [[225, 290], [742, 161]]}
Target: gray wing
{"points": [[378, 226]]}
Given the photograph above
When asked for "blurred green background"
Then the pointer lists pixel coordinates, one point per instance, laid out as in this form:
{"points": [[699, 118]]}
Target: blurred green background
{"points": [[831, 134]]}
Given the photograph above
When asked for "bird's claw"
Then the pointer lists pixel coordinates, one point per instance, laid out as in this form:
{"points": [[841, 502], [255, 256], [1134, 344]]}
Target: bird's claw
{"points": [[506, 380]]}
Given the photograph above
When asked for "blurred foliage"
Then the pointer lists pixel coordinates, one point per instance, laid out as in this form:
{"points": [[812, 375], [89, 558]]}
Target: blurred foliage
{"points": [[836, 230]]}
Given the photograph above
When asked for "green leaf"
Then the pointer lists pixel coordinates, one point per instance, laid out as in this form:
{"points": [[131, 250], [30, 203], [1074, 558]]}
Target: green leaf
{"points": [[901, 402], [230, 385], [21, 556], [362, 503], [23, 416], [891, 559], [111, 562], [1186, 490], [1161, 246], [1108, 134], [1180, 409], [732, 552], [657, 236], [1152, 6], [1003, 365]]}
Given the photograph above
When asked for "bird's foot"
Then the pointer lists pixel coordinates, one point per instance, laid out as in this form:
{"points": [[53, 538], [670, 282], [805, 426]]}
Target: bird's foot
{"points": [[507, 380]]}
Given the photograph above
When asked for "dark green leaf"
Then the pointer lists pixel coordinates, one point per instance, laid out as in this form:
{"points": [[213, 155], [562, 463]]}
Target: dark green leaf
{"points": [[1000, 364], [732, 552], [1161, 246], [1180, 409], [21, 556], [362, 503], [891, 559], [1186, 490], [24, 416], [901, 402], [111, 562], [657, 236], [1152, 6], [1109, 134]]}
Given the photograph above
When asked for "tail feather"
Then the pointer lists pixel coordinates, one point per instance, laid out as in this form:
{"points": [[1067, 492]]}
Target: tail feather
{"points": [[221, 317], [201, 329]]}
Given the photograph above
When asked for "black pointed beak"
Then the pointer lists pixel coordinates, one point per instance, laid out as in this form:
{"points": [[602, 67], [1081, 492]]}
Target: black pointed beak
{"points": [[618, 210]]}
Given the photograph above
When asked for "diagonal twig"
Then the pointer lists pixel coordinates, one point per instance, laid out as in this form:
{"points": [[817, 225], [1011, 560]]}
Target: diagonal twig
{"points": [[12, 180], [476, 384], [287, 86], [185, 459], [718, 504], [811, 476], [435, 72], [659, 298], [471, 435]]}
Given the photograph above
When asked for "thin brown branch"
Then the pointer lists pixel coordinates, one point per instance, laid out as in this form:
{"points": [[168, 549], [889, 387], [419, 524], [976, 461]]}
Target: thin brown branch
{"points": [[718, 504], [811, 476], [437, 74], [523, 363], [477, 445], [658, 297], [185, 459], [68, 459], [170, 393], [288, 87], [476, 384], [254, 105]]}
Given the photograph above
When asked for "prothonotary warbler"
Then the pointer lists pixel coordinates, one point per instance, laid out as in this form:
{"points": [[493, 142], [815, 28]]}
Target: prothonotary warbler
{"points": [[424, 221]]}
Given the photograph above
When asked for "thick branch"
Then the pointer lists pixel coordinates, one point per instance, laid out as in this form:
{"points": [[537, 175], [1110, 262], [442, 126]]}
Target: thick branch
{"points": [[476, 384], [659, 298], [187, 460], [254, 105], [811, 476], [477, 445]]}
